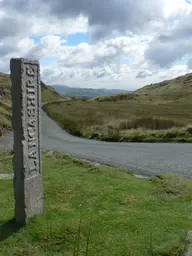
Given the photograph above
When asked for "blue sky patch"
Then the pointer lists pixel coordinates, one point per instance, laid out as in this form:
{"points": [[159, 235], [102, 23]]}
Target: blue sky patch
{"points": [[72, 40], [76, 39], [47, 61], [36, 39], [125, 61]]}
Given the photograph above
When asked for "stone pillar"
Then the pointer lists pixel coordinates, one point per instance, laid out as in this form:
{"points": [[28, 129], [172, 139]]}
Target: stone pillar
{"points": [[26, 122]]}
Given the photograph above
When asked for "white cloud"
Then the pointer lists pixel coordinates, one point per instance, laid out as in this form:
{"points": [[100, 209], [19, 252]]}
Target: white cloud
{"points": [[103, 17], [154, 40], [85, 62], [86, 55], [52, 25], [31, 18], [144, 73], [175, 71], [175, 7], [174, 40]]}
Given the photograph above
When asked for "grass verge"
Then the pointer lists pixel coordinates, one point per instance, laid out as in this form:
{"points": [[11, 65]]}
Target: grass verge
{"points": [[130, 216]]}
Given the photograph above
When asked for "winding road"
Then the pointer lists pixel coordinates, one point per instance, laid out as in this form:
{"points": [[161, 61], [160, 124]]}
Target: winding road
{"points": [[145, 159]]}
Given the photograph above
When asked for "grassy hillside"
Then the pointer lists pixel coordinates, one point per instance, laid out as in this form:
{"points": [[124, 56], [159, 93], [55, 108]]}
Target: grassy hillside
{"points": [[116, 216], [179, 88], [48, 94], [157, 112], [5, 101]]}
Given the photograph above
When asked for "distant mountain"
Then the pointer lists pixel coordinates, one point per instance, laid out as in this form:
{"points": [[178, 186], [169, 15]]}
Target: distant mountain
{"points": [[85, 92]]}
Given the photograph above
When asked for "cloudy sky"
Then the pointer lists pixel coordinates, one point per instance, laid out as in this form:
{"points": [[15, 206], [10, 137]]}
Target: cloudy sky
{"points": [[100, 44]]}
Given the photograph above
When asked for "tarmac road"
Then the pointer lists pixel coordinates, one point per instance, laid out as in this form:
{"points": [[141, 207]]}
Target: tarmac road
{"points": [[145, 159]]}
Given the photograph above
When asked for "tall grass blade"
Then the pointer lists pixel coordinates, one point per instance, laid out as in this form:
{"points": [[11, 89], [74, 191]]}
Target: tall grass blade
{"points": [[77, 239], [78, 235], [151, 246], [88, 238]]}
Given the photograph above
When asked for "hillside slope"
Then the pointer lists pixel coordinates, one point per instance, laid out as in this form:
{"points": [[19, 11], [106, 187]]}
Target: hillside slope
{"points": [[174, 89], [179, 88], [128, 116], [157, 112], [48, 94]]}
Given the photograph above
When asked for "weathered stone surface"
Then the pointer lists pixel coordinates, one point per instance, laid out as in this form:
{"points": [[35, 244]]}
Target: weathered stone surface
{"points": [[189, 249], [26, 122]]}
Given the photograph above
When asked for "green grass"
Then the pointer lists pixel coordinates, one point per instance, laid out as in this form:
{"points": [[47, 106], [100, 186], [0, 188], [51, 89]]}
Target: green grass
{"points": [[126, 212], [155, 113], [5, 162], [125, 120], [5, 101], [49, 94], [140, 135], [159, 112], [174, 89]]}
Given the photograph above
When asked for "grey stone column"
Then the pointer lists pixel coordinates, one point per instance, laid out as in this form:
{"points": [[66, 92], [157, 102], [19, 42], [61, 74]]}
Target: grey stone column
{"points": [[26, 122]]}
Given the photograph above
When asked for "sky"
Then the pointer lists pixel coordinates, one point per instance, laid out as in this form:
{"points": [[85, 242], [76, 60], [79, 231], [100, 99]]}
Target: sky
{"points": [[124, 44]]}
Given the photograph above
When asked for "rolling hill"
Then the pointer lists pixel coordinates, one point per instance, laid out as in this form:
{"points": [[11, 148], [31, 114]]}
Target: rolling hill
{"points": [[162, 105], [86, 92], [179, 88], [175, 89], [156, 112]]}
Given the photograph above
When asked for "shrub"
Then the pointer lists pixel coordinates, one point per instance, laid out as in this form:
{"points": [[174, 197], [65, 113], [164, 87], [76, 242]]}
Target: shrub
{"points": [[113, 133], [171, 134], [148, 123], [189, 129], [71, 126]]}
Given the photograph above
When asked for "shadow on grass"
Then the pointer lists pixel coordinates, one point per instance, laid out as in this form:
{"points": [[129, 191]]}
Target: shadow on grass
{"points": [[9, 228]]}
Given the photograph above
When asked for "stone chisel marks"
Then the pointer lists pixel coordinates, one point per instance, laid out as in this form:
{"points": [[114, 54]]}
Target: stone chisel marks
{"points": [[26, 122]]}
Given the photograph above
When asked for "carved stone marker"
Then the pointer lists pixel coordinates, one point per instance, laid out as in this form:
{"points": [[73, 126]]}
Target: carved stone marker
{"points": [[26, 109]]}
